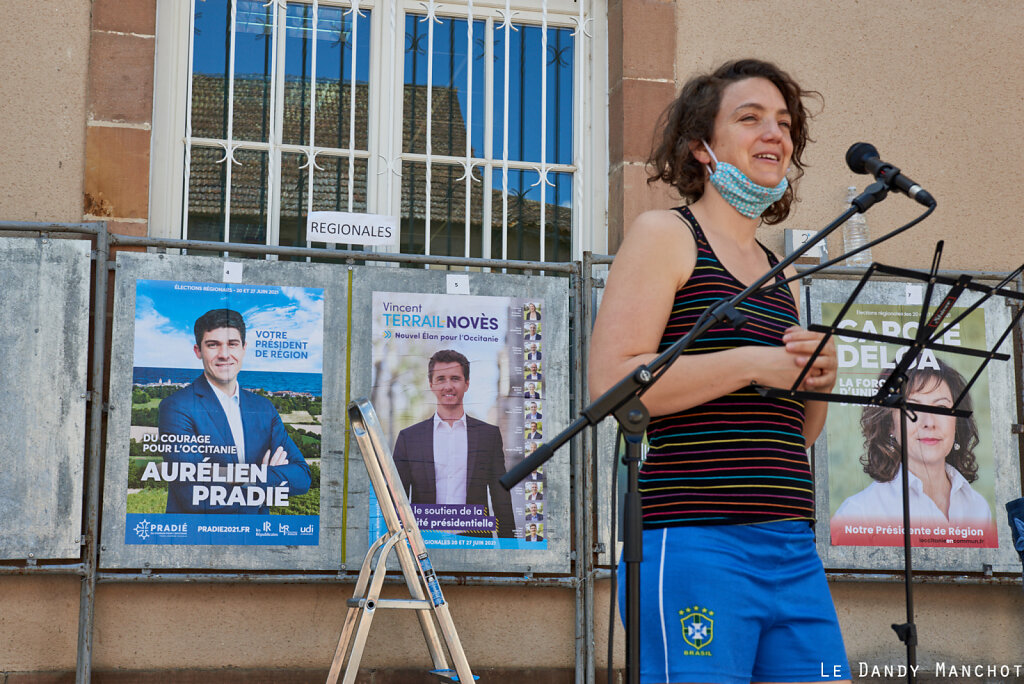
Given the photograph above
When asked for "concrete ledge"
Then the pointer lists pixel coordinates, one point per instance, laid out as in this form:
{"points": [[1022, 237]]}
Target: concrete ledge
{"points": [[311, 676]]}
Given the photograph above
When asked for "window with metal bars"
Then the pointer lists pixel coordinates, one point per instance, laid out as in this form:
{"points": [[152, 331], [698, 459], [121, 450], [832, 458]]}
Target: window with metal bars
{"points": [[462, 119]]}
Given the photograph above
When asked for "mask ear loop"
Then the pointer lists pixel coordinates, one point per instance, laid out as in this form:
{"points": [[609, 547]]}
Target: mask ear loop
{"points": [[713, 157]]}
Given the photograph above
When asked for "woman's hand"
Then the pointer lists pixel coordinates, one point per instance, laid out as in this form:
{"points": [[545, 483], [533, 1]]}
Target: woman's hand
{"points": [[800, 345]]}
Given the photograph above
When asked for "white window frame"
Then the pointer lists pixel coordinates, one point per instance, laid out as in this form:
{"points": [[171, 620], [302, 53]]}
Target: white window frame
{"points": [[590, 105]]}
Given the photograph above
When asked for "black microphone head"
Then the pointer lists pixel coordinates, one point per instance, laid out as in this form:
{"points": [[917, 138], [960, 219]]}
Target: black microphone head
{"points": [[857, 154]]}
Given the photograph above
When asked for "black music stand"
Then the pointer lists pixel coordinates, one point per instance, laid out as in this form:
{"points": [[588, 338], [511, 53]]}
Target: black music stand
{"points": [[892, 393]]}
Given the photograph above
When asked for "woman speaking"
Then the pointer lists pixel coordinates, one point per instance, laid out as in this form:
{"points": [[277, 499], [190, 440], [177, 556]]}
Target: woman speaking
{"points": [[732, 587]]}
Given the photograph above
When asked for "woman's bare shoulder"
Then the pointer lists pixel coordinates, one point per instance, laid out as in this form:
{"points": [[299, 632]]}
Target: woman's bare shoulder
{"points": [[660, 222], [659, 243]]}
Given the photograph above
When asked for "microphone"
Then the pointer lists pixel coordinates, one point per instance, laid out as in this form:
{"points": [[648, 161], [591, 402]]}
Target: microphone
{"points": [[863, 158]]}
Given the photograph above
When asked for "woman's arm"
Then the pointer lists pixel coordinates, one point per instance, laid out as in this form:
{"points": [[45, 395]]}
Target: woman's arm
{"points": [[656, 258]]}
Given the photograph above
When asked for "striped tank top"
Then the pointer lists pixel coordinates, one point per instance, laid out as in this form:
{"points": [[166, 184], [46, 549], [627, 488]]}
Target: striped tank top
{"points": [[740, 458]]}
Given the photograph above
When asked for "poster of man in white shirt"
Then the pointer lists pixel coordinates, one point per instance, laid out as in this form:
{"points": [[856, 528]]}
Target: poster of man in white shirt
{"points": [[448, 384], [226, 414], [452, 458]]}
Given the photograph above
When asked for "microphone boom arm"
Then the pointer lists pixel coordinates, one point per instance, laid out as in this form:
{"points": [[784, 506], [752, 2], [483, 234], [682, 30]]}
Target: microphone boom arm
{"points": [[638, 381]]}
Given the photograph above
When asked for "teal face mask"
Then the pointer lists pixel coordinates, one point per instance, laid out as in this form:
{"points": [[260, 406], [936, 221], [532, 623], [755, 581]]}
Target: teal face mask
{"points": [[745, 196]]}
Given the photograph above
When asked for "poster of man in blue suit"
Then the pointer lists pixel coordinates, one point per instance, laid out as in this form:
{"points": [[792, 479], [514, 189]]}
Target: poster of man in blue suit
{"points": [[215, 401], [221, 453]]}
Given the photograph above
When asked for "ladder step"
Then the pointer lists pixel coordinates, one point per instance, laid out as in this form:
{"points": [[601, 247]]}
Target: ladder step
{"points": [[414, 604], [409, 604], [449, 675]]}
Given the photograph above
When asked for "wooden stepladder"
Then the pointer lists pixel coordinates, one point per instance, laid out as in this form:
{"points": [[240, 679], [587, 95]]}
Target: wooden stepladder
{"points": [[403, 538]]}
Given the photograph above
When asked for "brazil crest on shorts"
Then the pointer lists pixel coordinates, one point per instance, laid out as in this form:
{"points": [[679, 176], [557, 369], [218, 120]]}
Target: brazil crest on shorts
{"points": [[698, 627]]}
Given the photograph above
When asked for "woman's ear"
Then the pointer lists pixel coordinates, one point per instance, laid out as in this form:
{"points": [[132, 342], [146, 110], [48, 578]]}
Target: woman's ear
{"points": [[894, 425], [699, 152]]}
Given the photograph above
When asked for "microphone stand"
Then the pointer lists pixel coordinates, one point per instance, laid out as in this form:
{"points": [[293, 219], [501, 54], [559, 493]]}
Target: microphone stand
{"points": [[623, 401]]}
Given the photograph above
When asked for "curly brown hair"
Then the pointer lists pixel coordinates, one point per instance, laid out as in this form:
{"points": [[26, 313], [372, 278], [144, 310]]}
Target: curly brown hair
{"points": [[881, 459], [691, 117]]}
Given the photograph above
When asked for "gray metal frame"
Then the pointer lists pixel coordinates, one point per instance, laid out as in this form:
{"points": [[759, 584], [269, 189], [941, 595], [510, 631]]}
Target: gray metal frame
{"points": [[556, 572], [554, 293], [589, 541], [115, 553], [43, 373], [86, 565]]}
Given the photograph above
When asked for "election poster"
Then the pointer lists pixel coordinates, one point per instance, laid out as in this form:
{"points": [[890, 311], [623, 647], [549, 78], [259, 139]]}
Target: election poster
{"points": [[458, 384], [225, 414], [951, 459]]}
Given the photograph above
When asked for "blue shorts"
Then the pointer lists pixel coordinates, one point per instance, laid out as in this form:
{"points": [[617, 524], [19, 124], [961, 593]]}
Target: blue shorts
{"points": [[736, 603]]}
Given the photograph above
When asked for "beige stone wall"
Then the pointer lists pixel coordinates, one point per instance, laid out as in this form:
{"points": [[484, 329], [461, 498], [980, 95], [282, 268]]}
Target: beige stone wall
{"points": [[934, 86], [956, 624], [45, 55], [265, 627], [296, 627], [38, 623]]}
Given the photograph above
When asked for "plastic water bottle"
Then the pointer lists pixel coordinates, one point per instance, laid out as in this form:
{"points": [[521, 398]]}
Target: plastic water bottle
{"points": [[855, 234]]}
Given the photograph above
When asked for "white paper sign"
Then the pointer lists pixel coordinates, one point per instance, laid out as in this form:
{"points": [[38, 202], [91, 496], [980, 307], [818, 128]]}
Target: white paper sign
{"points": [[232, 272], [458, 283], [797, 238], [915, 294], [351, 228]]}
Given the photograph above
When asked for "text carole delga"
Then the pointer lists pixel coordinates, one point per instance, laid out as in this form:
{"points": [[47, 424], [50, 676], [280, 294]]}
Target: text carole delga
{"points": [[952, 671]]}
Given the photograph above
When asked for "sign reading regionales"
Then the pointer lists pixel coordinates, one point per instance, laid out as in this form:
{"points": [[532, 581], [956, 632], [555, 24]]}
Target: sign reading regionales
{"points": [[351, 228]]}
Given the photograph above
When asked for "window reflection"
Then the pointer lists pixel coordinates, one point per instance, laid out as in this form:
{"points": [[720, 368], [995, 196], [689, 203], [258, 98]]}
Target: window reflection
{"points": [[253, 55], [528, 62], [447, 210], [250, 194], [449, 84], [236, 90], [524, 94], [330, 192], [206, 200], [334, 34], [524, 216]]}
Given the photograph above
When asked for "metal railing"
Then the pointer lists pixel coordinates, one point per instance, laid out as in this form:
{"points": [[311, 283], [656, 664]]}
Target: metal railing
{"points": [[87, 566], [590, 541]]}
